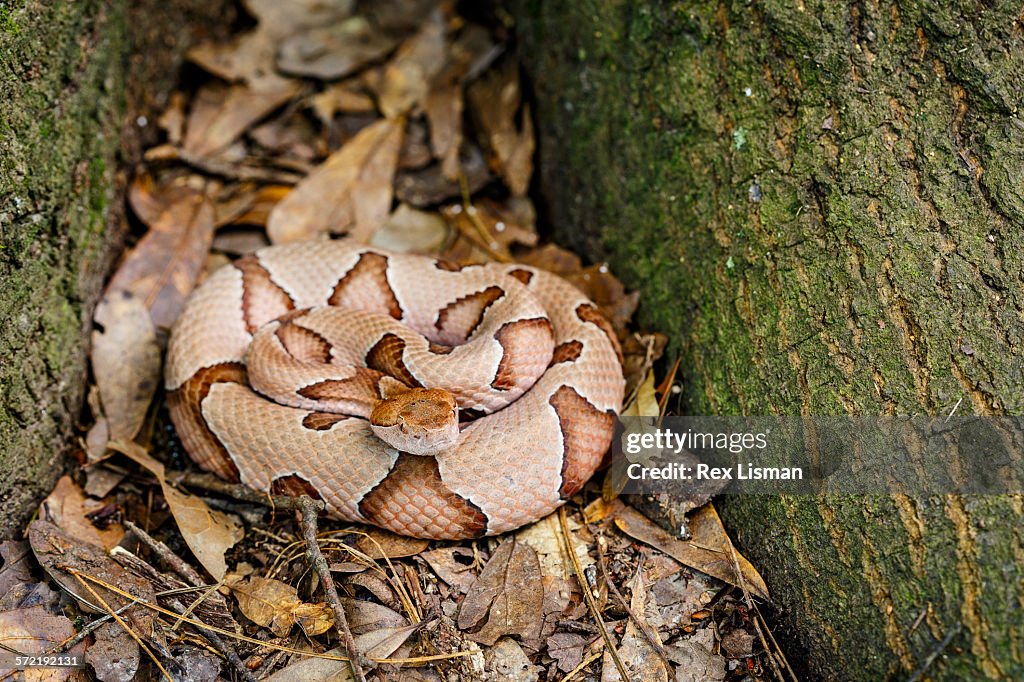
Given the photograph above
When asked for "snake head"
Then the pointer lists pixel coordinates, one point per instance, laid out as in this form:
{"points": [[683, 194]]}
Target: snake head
{"points": [[420, 421]]}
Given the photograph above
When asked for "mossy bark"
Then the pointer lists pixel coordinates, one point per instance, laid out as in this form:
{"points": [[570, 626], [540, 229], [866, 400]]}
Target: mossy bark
{"points": [[71, 74], [822, 203]]}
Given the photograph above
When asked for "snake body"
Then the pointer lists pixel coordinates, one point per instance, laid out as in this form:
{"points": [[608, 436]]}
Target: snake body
{"points": [[312, 368]]}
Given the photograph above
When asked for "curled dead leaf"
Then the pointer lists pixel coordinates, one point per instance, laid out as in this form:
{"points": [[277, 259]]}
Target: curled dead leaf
{"points": [[506, 598], [125, 363], [709, 548], [207, 532], [351, 190]]}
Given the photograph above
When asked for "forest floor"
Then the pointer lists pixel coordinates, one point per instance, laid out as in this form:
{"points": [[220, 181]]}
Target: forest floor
{"points": [[403, 126]]}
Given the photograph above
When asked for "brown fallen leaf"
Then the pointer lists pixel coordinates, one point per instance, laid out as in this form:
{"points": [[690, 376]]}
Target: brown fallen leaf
{"points": [[412, 231], [445, 563], [335, 51], [639, 353], [251, 56], [17, 569], [34, 631], [351, 190], [445, 100], [275, 604], [60, 553], [162, 268], [694, 659], [125, 363], [207, 532], [67, 507], [636, 653], [506, 661], [567, 649], [347, 97], [507, 597], [221, 113], [709, 550], [378, 543], [408, 76], [428, 186], [494, 100], [367, 616], [114, 654]]}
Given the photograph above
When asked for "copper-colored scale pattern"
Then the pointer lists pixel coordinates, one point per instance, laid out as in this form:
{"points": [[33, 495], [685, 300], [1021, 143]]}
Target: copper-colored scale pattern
{"points": [[543, 369]]}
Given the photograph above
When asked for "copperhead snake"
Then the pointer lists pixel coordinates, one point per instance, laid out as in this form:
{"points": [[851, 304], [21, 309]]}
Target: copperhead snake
{"points": [[433, 400]]}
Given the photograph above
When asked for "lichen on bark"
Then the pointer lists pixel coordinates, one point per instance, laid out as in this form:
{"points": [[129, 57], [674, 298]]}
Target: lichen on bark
{"points": [[821, 204]]}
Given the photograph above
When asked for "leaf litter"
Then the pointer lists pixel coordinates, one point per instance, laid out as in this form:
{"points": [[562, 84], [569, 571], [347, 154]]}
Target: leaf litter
{"points": [[404, 125]]}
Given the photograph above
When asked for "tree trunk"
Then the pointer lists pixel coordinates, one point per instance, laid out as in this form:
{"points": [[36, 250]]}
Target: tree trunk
{"points": [[822, 203], [66, 124]]}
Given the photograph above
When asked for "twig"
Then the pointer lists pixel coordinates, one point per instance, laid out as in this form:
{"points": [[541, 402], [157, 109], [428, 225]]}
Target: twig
{"points": [[644, 628], [164, 553], [308, 510], [589, 598], [86, 630], [953, 632], [213, 484]]}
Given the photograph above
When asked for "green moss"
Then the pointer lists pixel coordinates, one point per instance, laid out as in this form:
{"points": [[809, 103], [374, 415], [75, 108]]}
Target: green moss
{"points": [[61, 112], [822, 206]]}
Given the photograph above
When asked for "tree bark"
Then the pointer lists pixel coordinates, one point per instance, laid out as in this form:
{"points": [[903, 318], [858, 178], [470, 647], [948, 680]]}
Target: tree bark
{"points": [[822, 204], [79, 87]]}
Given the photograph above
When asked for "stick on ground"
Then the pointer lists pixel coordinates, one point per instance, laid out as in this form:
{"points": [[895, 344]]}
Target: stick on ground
{"points": [[308, 511]]}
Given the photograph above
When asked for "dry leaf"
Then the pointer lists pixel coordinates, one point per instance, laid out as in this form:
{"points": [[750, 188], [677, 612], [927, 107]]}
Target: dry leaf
{"points": [[545, 536], [67, 507], [34, 631], [125, 363], [220, 114], [384, 642], [567, 649], [709, 550], [444, 102], [354, 185], [488, 232], [411, 231], [507, 598], [207, 532], [429, 186], [507, 662], [636, 653], [378, 543], [407, 78], [17, 570], [305, 669], [275, 604], [495, 100], [114, 654], [639, 353], [251, 57], [446, 565], [694, 659], [58, 553], [335, 51], [162, 268], [346, 96]]}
